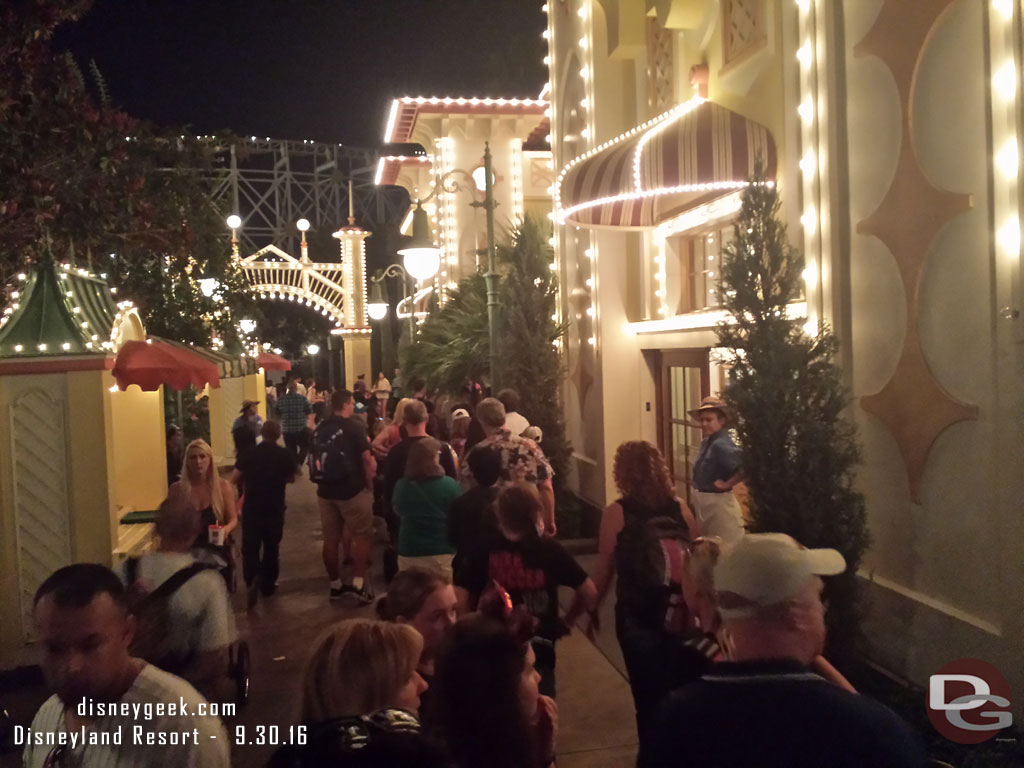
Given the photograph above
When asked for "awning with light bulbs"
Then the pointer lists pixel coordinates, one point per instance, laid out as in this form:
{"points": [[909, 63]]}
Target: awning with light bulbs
{"points": [[683, 158]]}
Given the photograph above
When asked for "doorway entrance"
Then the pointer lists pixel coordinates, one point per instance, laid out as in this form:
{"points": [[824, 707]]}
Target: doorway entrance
{"points": [[684, 378]]}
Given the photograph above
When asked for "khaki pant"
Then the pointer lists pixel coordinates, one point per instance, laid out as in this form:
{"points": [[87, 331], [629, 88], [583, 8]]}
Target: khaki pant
{"points": [[719, 515]]}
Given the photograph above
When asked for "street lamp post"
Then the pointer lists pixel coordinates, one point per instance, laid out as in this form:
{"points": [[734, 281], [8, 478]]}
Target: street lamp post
{"points": [[234, 221], [377, 308], [312, 351], [491, 276]]}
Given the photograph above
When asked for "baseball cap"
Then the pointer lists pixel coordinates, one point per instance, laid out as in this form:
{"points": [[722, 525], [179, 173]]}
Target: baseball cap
{"points": [[764, 569], [460, 413]]}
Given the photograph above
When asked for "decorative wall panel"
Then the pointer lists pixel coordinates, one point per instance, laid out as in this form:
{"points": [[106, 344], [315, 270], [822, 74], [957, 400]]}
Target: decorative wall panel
{"points": [[744, 29], [38, 443], [913, 405]]}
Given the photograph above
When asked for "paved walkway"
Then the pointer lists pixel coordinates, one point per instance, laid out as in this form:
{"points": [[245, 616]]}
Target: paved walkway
{"points": [[597, 727]]}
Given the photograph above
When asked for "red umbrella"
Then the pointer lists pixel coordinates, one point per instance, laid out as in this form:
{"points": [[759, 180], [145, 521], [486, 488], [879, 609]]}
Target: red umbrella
{"points": [[270, 362], [152, 363]]}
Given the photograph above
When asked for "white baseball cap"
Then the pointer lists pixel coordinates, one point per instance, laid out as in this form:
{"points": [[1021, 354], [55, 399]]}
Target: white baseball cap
{"points": [[460, 413], [764, 569]]}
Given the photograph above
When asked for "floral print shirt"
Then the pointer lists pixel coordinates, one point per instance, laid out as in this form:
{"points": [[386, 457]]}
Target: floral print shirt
{"points": [[522, 460]]}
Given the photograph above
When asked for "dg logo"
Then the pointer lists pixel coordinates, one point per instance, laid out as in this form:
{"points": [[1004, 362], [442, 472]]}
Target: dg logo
{"points": [[969, 701]]}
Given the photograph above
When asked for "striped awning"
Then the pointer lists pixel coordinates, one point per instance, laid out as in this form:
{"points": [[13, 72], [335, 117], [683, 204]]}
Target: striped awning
{"points": [[685, 157]]}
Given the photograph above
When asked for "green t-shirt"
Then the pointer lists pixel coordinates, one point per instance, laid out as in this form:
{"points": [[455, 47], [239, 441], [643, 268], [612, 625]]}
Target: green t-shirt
{"points": [[423, 507]]}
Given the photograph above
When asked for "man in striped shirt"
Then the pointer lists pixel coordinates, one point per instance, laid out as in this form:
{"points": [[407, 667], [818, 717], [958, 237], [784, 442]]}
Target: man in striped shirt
{"points": [[110, 709], [294, 410]]}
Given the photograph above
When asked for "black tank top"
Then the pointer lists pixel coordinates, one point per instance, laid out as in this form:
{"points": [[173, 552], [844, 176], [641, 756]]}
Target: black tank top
{"points": [[631, 596]]}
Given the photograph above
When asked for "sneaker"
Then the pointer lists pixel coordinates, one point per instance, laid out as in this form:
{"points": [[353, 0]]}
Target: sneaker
{"points": [[363, 596]]}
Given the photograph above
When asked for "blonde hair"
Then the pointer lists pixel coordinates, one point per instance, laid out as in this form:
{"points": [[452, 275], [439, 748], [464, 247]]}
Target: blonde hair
{"points": [[398, 418], [212, 478], [640, 473], [700, 565], [358, 666]]}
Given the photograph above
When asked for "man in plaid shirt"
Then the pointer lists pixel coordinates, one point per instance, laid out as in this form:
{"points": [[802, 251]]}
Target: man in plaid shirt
{"points": [[294, 410]]}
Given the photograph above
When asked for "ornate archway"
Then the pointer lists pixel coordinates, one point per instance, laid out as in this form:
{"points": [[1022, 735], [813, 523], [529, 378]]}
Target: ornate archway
{"points": [[335, 289], [274, 274]]}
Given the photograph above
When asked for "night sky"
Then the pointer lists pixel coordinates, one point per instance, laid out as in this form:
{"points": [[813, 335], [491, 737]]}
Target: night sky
{"points": [[306, 69]]}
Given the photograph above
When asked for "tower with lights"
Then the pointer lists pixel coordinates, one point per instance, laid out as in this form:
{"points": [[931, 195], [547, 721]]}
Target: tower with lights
{"points": [[356, 332]]}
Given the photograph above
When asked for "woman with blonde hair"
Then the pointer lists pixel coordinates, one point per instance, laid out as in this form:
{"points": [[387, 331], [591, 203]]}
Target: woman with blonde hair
{"points": [[213, 497], [650, 648], [422, 500], [361, 698], [392, 434]]}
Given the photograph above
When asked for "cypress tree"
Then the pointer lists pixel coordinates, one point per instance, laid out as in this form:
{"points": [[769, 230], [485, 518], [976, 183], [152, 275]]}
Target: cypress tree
{"points": [[788, 403]]}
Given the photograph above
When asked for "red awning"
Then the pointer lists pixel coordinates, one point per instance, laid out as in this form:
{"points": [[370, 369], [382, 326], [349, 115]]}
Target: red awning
{"points": [[683, 158], [268, 361], [154, 362]]}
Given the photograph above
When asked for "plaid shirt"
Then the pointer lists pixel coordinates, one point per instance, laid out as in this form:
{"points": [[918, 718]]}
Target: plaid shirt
{"points": [[293, 409], [521, 460]]}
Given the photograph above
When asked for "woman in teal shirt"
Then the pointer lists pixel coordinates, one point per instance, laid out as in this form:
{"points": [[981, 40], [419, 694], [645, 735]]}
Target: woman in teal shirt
{"points": [[422, 499]]}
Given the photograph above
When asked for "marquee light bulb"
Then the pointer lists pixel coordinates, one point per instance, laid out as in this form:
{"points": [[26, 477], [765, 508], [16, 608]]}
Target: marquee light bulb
{"points": [[1005, 80]]}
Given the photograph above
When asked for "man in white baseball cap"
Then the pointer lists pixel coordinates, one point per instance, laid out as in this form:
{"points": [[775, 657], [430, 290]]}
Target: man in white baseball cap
{"points": [[764, 706]]}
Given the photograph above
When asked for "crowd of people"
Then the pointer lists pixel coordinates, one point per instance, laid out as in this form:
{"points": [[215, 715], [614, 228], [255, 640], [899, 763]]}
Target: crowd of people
{"points": [[722, 631]]}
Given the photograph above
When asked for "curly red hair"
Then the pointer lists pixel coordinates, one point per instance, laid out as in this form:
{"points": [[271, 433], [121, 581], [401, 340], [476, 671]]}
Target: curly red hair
{"points": [[640, 473]]}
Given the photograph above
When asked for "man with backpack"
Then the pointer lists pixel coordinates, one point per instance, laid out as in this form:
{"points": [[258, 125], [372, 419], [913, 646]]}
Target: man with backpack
{"points": [[342, 465], [184, 621]]}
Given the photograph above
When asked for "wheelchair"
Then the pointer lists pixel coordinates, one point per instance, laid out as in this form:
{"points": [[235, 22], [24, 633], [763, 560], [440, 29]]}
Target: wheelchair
{"points": [[239, 667]]}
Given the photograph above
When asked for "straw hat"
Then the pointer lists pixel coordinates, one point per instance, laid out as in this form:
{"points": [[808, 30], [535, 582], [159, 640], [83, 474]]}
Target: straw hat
{"points": [[710, 403]]}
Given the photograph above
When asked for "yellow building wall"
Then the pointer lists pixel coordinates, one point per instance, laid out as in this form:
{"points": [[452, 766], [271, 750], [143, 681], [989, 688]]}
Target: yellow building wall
{"points": [[139, 453], [254, 388], [91, 467], [225, 404]]}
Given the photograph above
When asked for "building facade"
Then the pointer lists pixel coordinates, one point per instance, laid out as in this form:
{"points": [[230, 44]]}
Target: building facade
{"points": [[452, 132], [892, 131]]}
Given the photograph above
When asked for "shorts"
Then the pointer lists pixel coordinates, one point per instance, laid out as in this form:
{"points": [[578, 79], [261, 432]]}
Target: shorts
{"points": [[356, 514]]}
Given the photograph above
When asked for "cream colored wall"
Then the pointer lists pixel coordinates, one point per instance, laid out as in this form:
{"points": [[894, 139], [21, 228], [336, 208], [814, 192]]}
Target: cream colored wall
{"points": [[948, 571], [225, 405], [357, 359], [90, 521], [11, 646], [138, 442], [254, 388]]}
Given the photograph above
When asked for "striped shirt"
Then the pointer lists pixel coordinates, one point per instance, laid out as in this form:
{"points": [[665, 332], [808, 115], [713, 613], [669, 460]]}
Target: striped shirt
{"points": [[293, 409], [201, 740]]}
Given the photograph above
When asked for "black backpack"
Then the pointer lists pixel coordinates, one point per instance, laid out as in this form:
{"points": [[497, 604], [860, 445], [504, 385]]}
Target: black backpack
{"points": [[328, 462], [152, 615], [650, 558]]}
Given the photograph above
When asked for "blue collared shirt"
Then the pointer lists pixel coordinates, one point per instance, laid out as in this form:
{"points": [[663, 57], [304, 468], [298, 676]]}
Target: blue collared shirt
{"points": [[719, 459]]}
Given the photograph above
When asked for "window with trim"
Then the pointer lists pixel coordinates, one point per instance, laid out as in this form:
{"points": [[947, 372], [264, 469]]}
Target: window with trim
{"points": [[695, 257]]}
